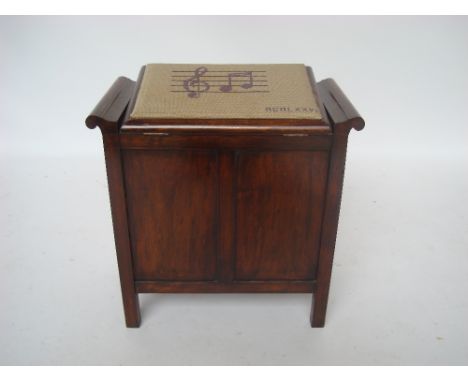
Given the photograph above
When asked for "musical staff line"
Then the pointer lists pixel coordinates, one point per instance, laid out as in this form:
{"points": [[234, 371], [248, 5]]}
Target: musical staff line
{"points": [[211, 91], [201, 80], [208, 76], [234, 84], [217, 71], [217, 81]]}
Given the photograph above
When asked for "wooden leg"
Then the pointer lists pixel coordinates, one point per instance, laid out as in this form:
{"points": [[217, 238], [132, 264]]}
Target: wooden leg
{"points": [[319, 309], [108, 115], [121, 232], [131, 309], [329, 228], [344, 117]]}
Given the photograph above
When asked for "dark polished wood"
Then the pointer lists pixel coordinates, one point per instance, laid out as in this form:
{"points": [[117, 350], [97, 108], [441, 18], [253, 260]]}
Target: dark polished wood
{"points": [[109, 111], [279, 203], [225, 207], [168, 141], [107, 115], [232, 287], [341, 111], [226, 216], [343, 117], [172, 205]]}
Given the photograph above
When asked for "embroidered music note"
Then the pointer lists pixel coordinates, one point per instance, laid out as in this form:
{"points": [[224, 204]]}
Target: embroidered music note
{"points": [[246, 85], [194, 86]]}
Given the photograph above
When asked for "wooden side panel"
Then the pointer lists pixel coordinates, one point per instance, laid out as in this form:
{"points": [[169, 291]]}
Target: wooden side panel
{"points": [[280, 197], [172, 206]]}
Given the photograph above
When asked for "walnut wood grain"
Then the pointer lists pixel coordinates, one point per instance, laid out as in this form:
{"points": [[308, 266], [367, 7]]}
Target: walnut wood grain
{"points": [[220, 287], [108, 115], [226, 216], [279, 202], [121, 231], [338, 106], [269, 127], [343, 117], [109, 111], [226, 142], [172, 198]]}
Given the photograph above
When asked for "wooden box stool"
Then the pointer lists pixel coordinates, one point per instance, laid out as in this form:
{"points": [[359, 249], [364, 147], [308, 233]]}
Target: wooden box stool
{"points": [[225, 178]]}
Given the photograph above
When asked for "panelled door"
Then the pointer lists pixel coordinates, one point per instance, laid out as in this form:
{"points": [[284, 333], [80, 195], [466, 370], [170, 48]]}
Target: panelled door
{"points": [[177, 203]]}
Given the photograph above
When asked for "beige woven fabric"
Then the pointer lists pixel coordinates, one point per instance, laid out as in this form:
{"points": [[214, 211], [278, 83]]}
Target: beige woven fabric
{"points": [[185, 91]]}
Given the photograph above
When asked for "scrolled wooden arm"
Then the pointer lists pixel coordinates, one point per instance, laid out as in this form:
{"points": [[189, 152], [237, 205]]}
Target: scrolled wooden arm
{"points": [[109, 111], [341, 111]]}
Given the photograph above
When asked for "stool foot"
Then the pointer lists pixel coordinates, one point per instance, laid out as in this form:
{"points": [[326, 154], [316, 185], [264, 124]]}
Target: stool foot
{"points": [[132, 310], [319, 310]]}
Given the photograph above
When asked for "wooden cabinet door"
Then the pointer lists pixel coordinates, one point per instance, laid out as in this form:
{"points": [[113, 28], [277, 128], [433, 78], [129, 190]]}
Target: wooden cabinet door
{"points": [[279, 206], [172, 198]]}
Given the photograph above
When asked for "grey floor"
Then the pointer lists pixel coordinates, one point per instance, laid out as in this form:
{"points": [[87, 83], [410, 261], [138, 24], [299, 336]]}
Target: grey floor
{"points": [[400, 277]]}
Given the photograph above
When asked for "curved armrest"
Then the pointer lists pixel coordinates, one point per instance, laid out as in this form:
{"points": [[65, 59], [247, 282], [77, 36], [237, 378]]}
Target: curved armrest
{"points": [[339, 108], [110, 109]]}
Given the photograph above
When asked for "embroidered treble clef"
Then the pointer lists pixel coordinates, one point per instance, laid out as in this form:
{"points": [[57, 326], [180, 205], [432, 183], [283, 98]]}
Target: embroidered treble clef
{"points": [[194, 86]]}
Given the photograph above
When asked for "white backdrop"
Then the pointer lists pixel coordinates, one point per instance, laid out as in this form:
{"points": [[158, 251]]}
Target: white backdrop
{"points": [[398, 293]]}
